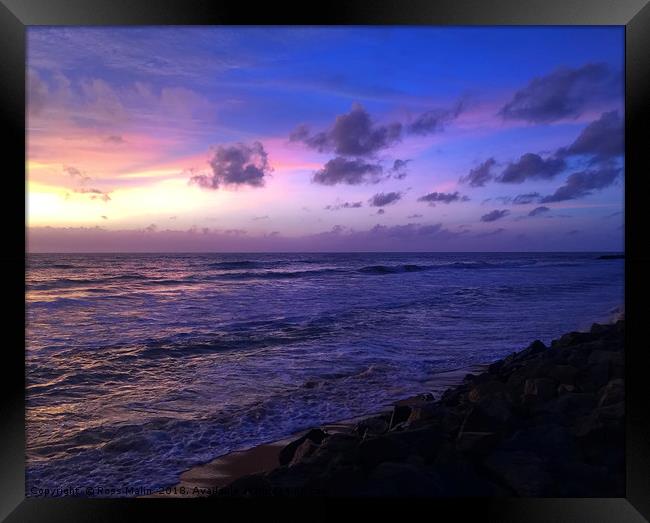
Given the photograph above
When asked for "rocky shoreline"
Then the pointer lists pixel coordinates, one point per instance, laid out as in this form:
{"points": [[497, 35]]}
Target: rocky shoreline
{"points": [[542, 422]]}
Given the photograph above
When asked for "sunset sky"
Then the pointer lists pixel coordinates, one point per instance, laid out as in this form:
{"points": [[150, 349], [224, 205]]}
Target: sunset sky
{"points": [[336, 139]]}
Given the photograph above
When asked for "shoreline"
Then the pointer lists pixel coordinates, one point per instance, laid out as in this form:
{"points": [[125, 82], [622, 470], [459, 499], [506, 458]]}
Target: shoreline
{"points": [[205, 479], [543, 421]]}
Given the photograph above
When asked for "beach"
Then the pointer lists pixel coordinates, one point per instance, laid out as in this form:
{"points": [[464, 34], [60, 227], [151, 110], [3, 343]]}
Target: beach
{"points": [[544, 421]]}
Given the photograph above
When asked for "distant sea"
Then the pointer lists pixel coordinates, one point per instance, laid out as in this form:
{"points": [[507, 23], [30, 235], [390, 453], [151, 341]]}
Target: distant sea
{"points": [[140, 366]]}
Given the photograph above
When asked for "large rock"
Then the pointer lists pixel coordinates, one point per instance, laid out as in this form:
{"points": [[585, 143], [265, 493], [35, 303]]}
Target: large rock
{"points": [[403, 480], [572, 338], [373, 451], [608, 356], [524, 472], [286, 454], [374, 426], [593, 377], [424, 412], [422, 443], [335, 450], [493, 413], [476, 442], [613, 392], [486, 389], [535, 348], [571, 405], [306, 449], [551, 441], [564, 374], [400, 415], [539, 389]]}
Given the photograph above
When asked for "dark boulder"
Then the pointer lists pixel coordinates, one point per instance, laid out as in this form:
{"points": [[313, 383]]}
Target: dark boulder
{"points": [[423, 443], [613, 392], [335, 450], [286, 454], [572, 338], [552, 441], [390, 479], [492, 414], [485, 389], [374, 426], [593, 377], [373, 451], [400, 414], [477, 443], [563, 374], [607, 356], [524, 472], [539, 389], [306, 449]]}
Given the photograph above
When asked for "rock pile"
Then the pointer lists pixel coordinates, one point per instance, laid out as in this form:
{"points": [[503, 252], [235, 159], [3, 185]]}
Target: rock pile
{"points": [[546, 421]]}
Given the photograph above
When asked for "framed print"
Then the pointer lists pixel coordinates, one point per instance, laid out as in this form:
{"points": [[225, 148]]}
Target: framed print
{"points": [[382, 253]]}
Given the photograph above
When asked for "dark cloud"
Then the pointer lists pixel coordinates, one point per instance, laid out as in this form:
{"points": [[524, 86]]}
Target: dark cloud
{"points": [[523, 199], [494, 215], [350, 172], [345, 205], [413, 216], [381, 211], [564, 93], [72, 171], [95, 194], [435, 120], [531, 166], [76, 174], [441, 197], [602, 138], [381, 199], [114, 139], [352, 134], [480, 175], [583, 183], [235, 165], [538, 210], [398, 169]]}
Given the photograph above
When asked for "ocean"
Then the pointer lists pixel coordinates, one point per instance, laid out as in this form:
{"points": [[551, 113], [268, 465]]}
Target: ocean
{"points": [[140, 366]]}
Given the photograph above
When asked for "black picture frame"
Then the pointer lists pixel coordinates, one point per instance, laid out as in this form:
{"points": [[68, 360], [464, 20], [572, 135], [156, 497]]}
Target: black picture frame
{"points": [[16, 15]]}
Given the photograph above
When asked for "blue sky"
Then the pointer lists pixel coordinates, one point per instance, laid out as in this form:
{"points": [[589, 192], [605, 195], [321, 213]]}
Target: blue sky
{"points": [[286, 138]]}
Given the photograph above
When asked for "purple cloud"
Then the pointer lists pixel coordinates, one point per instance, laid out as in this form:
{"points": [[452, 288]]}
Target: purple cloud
{"points": [[350, 172], [352, 134], [441, 197], [531, 166], [539, 210], [235, 165], [563, 93], [382, 199], [480, 175], [583, 183], [494, 215]]}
